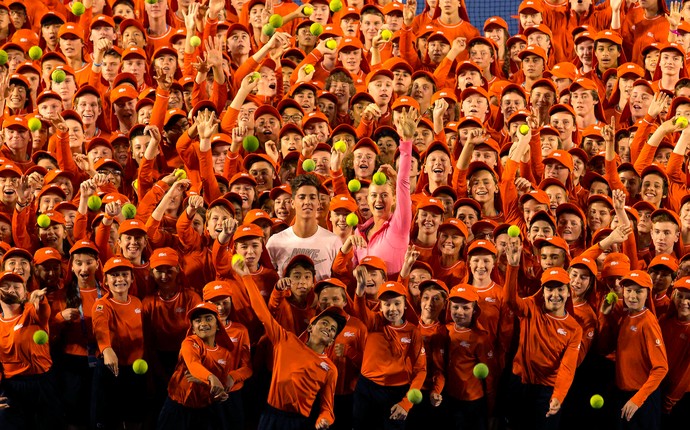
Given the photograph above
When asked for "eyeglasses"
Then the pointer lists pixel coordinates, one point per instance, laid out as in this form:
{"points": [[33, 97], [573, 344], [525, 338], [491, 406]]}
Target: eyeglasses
{"points": [[292, 118]]}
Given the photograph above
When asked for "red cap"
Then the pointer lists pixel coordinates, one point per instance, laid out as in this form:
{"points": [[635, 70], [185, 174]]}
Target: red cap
{"points": [[430, 203], [215, 289], [164, 257], [392, 287], [83, 245], [533, 50], [10, 277], [539, 195], [71, 28], [562, 157], [123, 92], [343, 201], [256, 214], [373, 262], [248, 230], [530, 6], [464, 292], [665, 260], [682, 284], [116, 263], [456, 224], [590, 264], [638, 277], [555, 274], [615, 264], [132, 226], [47, 254], [482, 245], [433, 283]]}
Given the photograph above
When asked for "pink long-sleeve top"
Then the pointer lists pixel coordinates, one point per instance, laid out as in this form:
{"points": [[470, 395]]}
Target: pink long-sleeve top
{"points": [[390, 242]]}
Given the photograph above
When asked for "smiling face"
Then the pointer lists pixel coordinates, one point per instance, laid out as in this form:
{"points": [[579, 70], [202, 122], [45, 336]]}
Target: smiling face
{"points": [[84, 267], [462, 312], [205, 325], [432, 302], [132, 245], [323, 331], [393, 308], [555, 296], [119, 280], [580, 281], [681, 300], [380, 199], [481, 264]]}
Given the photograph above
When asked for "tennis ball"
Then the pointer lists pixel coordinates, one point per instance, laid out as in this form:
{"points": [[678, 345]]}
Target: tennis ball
{"points": [[309, 165], [340, 146], [94, 203], [268, 30], [140, 366], [415, 396], [236, 258], [129, 211], [78, 8], [255, 77], [596, 401], [682, 122], [195, 41], [250, 143], [151, 1], [480, 371], [34, 124], [308, 69], [335, 5], [379, 178], [276, 20], [135, 184], [331, 44], [58, 76], [611, 297], [316, 29], [386, 34], [43, 221], [181, 174], [3, 57], [308, 10], [524, 129], [35, 52], [513, 231], [40, 337], [354, 185], [352, 220]]}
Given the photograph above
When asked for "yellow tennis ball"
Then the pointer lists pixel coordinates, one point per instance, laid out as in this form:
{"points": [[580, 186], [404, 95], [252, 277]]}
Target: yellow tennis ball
{"points": [[682, 122], [78, 8], [40, 337], [58, 76], [255, 77], [386, 34], [236, 258], [43, 221], [35, 124], [268, 30], [309, 165], [480, 371], [331, 44], [94, 203], [308, 10], [379, 178], [276, 20], [340, 146], [335, 5], [316, 29], [35, 52], [181, 174], [129, 211], [596, 401], [308, 69], [524, 129], [513, 231], [611, 298], [195, 41], [3, 57], [250, 143], [415, 396], [140, 366], [354, 186], [352, 220]]}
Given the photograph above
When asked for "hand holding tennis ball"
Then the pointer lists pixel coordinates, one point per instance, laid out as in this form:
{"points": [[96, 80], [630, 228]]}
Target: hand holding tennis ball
{"points": [[308, 69], [611, 298], [236, 258], [524, 129], [331, 44], [181, 174], [195, 41], [307, 10], [682, 122], [255, 77], [379, 178], [386, 34], [340, 146], [276, 20], [268, 30]]}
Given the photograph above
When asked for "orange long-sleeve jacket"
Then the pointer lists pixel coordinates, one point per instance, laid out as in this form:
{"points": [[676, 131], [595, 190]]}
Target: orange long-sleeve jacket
{"points": [[119, 326]]}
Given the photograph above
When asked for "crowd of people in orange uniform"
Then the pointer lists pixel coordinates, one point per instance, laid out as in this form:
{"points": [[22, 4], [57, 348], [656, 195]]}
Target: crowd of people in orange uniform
{"points": [[230, 214]]}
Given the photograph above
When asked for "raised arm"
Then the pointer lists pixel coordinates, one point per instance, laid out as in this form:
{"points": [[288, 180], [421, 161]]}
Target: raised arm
{"points": [[513, 252]]}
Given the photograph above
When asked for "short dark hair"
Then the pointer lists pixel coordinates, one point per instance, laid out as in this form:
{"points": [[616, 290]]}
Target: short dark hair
{"points": [[304, 181]]}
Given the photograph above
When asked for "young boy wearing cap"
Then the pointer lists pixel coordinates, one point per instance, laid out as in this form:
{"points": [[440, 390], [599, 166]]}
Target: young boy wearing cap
{"points": [[543, 367], [641, 362], [662, 270], [27, 382], [468, 345], [205, 354], [676, 330], [118, 393], [291, 302], [347, 349], [394, 358], [302, 372]]}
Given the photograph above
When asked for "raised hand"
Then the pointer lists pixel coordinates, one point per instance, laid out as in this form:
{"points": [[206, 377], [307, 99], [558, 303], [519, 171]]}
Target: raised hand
{"points": [[658, 104], [406, 123], [513, 251], [673, 16]]}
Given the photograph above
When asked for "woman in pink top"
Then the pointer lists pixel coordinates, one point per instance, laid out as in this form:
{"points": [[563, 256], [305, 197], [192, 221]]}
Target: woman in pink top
{"points": [[387, 233]]}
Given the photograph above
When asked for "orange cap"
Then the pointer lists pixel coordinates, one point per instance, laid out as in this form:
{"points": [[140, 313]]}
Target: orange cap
{"points": [[638, 277], [46, 254], [392, 287], [464, 292], [555, 274], [116, 263], [215, 289], [373, 262], [164, 257]]}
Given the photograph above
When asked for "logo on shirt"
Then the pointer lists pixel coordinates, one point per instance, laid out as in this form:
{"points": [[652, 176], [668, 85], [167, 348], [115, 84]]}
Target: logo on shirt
{"points": [[234, 339], [348, 334], [325, 366], [179, 310], [562, 332], [633, 328], [490, 299], [465, 344], [137, 310], [405, 340], [590, 334], [222, 362], [18, 326], [657, 342], [99, 308]]}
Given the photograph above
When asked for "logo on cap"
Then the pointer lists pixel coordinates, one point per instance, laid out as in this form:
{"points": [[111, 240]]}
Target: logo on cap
{"points": [[460, 289], [553, 272], [162, 254]]}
